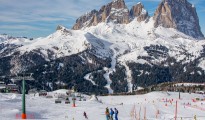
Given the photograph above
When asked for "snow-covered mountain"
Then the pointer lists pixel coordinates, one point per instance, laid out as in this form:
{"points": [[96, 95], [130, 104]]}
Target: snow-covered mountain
{"points": [[112, 50]]}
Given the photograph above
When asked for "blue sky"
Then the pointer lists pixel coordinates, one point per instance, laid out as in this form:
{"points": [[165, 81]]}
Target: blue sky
{"points": [[39, 18]]}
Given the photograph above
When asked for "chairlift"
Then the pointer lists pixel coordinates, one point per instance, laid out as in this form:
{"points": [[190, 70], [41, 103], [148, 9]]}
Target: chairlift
{"points": [[67, 101], [42, 93], [49, 96], [58, 101]]}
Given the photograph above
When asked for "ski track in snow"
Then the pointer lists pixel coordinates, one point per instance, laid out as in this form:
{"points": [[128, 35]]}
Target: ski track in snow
{"points": [[110, 71], [109, 82], [129, 77], [87, 77]]}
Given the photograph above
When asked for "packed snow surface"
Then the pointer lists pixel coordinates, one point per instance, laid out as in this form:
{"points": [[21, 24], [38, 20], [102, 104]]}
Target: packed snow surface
{"points": [[153, 104]]}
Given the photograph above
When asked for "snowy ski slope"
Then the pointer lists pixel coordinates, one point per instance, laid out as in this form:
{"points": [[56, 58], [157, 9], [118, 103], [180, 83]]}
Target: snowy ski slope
{"points": [[151, 104]]}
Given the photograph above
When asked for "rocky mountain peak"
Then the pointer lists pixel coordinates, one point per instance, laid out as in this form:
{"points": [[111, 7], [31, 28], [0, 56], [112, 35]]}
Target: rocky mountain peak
{"points": [[139, 12], [83, 21], [119, 4], [177, 14], [180, 15], [63, 29], [119, 12], [116, 12], [60, 27]]}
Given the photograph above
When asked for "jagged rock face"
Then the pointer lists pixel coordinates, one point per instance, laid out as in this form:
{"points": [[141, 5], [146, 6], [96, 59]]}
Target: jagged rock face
{"points": [[119, 12], [139, 12], [119, 4], [178, 14], [104, 12], [82, 21], [115, 11]]}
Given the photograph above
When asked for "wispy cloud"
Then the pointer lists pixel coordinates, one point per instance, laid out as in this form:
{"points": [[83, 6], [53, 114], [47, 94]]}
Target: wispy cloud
{"points": [[28, 14], [21, 27], [42, 15], [39, 9]]}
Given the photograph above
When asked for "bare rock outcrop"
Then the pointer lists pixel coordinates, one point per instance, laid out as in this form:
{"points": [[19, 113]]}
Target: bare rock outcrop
{"points": [[180, 15], [119, 12], [177, 14], [139, 12], [116, 12], [83, 21]]}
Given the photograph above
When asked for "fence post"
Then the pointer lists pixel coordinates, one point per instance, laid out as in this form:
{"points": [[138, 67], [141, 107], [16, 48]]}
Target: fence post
{"points": [[139, 113], [145, 113], [194, 117], [157, 113]]}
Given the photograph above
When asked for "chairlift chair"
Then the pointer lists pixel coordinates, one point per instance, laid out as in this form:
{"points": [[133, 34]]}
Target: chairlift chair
{"points": [[67, 101], [58, 101]]}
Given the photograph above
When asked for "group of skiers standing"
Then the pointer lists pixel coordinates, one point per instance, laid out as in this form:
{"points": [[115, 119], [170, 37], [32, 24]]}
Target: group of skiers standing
{"points": [[109, 114]]}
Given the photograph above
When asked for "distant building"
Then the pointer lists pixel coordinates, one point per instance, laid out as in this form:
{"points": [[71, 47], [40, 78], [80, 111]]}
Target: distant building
{"points": [[2, 87], [42, 93], [32, 91], [12, 88]]}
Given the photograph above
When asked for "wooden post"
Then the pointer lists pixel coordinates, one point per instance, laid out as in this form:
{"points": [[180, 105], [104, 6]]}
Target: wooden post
{"points": [[139, 113], [194, 117], [157, 113], [145, 113]]}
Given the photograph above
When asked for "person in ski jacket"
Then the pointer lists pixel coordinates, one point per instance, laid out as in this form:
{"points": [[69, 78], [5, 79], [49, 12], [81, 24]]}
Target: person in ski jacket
{"points": [[116, 114], [107, 114], [111, 114], [85, 115]]}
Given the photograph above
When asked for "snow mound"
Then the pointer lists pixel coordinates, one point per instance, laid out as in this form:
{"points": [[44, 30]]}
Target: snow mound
{"points": [[10, 97], [61, 91], [93, 98], [14, 96]]}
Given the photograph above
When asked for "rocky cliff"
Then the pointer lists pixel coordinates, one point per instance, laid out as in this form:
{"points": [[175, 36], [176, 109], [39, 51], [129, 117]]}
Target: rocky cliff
{"points": [[116, 12], [119, 12], [178, 14], [85, 20], [139, 12]]}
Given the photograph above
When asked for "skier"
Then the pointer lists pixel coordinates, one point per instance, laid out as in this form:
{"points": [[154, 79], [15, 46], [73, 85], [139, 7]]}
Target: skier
{"points": [[116, 114], [111, 114], [107, 114], [85, 115]]}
